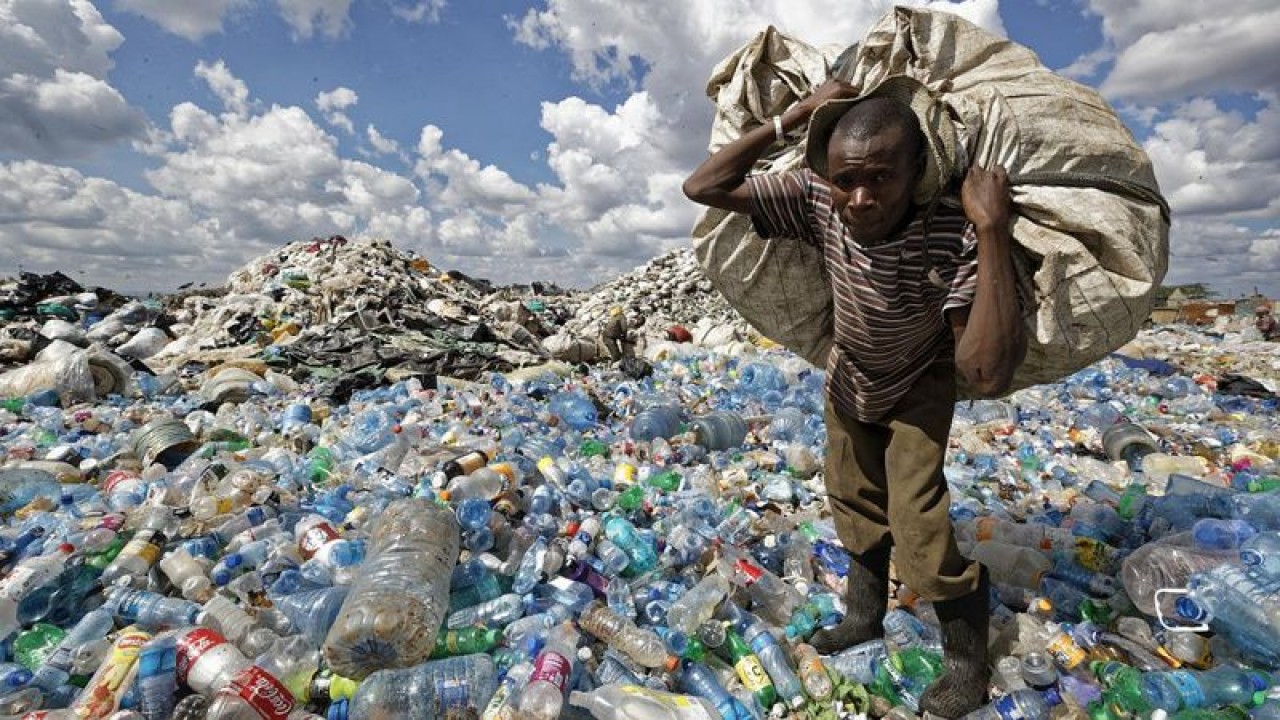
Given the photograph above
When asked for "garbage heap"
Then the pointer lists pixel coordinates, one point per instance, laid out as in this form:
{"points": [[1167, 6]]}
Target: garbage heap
{"points": [[543, 544], [667, 291], [325, 306]]}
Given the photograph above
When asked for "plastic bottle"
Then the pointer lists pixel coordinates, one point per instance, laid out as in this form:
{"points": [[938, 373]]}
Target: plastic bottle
{"points": [[498, 612], [860, 662], [1163, 565], [813, 673], [467, 641], [662, 421], [775, 662], [1216, 534], [1261, 554], [312, 612], [622, 533], [56, 669], [642, 646], [1223, 685], [142, 551], [1024, 704], [775, 599], [393, 612], [157, 679], [450, 688], [697, 679], [631, 702], [749, 669], [698, 605], [1011, 564], [29, 576], [719, 430], [543, 697], [238, 688], [1128, 442], [575, 409], [102, 696], [151, 610]]}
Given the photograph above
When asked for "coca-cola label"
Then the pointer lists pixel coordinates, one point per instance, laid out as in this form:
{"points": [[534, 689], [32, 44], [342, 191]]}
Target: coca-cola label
{"points": [[193, 645], [552, 667], [114, 478], [315, 538], [267, 695]]}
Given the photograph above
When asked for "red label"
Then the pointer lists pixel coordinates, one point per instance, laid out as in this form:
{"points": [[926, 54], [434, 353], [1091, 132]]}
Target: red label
{"points": [[115, 477], [192, 646], [553, 668], [315, 538], [752, 572], [271, 699]]}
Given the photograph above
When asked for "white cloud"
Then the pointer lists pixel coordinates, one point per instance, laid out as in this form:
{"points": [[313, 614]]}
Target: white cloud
{"points": [[230, 89], [329, 18], [383, 145], [190, 20], [331, 104], [427, 11], [1212, 161], [462, 182], [55, 101]]}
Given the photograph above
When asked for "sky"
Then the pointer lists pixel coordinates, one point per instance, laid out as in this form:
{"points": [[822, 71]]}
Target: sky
{"points": [[149, 143]]}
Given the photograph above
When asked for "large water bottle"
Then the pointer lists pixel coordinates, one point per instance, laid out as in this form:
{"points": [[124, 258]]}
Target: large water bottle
{"points": [[722, 430], [394, 609], [312, 612], [662, 421], [860, 662], [1261, 554], [1128, 442], [1211, 597], [1165, 564], [449, 688], [1261, 510], [575, 409], [1218, 534], [759, 378]]}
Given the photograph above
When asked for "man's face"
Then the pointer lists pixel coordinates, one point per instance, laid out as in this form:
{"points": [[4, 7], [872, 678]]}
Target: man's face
{"points": [[875, 179]]}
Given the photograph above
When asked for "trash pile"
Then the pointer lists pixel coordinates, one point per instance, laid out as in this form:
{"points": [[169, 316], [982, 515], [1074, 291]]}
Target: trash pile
{"points": [[670, 290], [539, 544]]}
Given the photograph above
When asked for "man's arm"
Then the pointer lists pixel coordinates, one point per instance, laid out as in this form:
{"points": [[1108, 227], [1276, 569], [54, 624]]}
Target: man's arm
{"points": [[990, 340], [719, 181]]}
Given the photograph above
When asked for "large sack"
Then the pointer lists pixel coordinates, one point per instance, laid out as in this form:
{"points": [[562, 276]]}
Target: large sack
{"points": [[1090, 223]]}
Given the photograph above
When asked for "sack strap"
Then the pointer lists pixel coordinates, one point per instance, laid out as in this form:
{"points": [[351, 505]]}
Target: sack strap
{"points": [[1096, 181]]}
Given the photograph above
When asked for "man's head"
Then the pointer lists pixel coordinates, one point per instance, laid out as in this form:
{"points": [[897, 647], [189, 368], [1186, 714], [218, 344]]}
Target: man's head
{"points": [[875, 157]]}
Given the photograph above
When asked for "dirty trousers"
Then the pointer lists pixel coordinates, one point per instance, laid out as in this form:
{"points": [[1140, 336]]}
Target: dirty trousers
{"points": [[886, 487]]}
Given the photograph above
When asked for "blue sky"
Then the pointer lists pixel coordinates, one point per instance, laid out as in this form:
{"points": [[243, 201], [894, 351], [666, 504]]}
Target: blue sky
{"points": [[146, 143]]}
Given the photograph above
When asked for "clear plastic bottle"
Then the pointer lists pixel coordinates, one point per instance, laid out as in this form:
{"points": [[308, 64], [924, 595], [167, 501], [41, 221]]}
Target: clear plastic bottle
{"points": [[1261, 554], [631, 702], [643, 646], [29, 576], [55, 671], [721, 430], [1164, 564], [102, 696], [813, 673], [393, 612], [860, 662], [1223, 685], [151, 610], [1128, 442], [1012, 564], [238, 688], [157, 679], [1024, 704], [450, 688], [143, 550], [543, 697], [698, 605], [661, 421], [498, 612], [312, 612]]}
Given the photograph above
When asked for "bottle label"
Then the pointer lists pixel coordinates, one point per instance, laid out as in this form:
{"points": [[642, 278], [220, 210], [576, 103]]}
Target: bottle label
{"points": [[271, 699], [752, 673], [1065, 652], [316, 538], [1007, 707], [453, 696], [142, 547], [193, 645], [19, 583], [497, 702], [551, 667]]}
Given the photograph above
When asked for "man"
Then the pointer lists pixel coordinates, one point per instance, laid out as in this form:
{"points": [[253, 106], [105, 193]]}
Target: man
{"points": [[617, 336], [920, 292], [1266, 322]]}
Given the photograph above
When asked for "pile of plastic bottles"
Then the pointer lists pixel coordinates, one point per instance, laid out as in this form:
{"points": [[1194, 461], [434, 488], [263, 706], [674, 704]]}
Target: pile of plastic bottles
{"points": [[542, 546]]}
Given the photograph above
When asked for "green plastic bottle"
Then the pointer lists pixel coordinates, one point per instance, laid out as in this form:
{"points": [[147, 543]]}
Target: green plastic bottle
{"points": [[320, 464], [631, 499], [593, 448], [667, 481], [32, 647], [1123, 685], [750, 671], [13, 405], [466, 641]]}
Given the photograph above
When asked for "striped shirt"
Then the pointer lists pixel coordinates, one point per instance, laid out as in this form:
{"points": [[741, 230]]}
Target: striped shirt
{"points": [[890, 302]]}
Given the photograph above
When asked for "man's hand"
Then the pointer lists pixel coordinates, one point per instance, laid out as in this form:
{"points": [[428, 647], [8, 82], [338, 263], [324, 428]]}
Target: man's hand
{"points": [[832, 89], [985, 197]]}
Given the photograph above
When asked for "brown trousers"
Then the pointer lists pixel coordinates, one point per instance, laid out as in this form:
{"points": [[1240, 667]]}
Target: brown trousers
{"points": [[886, 487]]}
